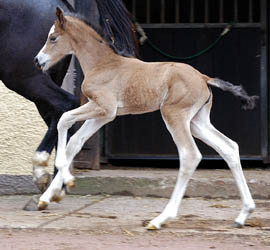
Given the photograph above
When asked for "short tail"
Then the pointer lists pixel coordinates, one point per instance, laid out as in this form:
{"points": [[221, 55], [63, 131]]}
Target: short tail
{"points": [[248, 102]]}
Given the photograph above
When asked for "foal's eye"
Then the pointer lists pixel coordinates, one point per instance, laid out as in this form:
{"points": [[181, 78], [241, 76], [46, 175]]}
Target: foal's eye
{"points": [[52, 38]]}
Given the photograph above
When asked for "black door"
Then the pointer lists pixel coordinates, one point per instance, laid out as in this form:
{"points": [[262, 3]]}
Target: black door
{"points": [[237, 58]]}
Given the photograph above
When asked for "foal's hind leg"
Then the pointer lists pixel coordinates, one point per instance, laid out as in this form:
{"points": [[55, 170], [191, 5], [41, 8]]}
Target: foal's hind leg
{"points": [[178, 123], [202, 128]]}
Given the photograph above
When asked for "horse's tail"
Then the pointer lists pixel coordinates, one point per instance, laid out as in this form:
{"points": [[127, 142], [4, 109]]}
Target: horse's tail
{"points": [[248, 102]]}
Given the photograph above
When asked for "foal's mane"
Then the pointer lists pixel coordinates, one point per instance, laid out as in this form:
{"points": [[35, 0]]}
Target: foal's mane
{"points": [[117, 28], [85, 21]]}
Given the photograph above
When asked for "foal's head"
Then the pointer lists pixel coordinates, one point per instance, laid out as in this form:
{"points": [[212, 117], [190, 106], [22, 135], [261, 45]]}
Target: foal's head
{"points": [[57, 45]]}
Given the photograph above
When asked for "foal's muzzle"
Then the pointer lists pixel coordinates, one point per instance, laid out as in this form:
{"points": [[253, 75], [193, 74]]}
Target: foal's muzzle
{"points": [[38, 65]]}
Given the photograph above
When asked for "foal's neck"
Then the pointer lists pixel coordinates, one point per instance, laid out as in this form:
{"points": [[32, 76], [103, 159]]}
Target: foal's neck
{"points": [[90, 49]]}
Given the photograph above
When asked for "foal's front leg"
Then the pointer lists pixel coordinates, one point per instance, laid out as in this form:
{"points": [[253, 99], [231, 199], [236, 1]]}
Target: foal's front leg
{"points": [[67, 153], [55, 188], [90, 110], [74, 146]]}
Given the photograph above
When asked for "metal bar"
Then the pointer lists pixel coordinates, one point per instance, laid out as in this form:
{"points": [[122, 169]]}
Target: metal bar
{"points": [[235, 10], [162, 15], [250, 14], [134, 3], [198, 25], [221, 12], [263, 7], [172, 157], [191, 11], [177, 10], [148, 11], [72, 2], [264, 89], [206, 11]]}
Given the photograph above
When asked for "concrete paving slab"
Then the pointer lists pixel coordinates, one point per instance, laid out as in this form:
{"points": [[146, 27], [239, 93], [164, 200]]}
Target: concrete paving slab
{"points": [[106, 214]]}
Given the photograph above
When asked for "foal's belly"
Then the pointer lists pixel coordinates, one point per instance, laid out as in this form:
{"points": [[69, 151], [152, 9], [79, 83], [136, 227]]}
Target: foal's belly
{"points": [[136, 110], [139, 99]]}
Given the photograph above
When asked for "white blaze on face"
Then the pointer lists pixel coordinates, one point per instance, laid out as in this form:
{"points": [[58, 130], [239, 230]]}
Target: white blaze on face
{"points": [[42, 57], [51, 30]]}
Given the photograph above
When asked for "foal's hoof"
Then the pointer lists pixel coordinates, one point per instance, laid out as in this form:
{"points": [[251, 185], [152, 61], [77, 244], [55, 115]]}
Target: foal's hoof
{"points": [[151, 227], [58, 196], [42, 205], [43, 182], [237, 225], [70, 184]]}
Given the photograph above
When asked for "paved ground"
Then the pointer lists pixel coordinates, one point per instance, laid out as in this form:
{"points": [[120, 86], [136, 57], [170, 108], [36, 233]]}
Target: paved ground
{"points": [[116, 222], [89, 220]]}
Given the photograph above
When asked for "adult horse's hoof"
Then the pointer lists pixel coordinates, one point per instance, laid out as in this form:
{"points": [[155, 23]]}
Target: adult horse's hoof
{"points": [[237, 225], [31, 205], [151, 227], [42, 205], [58, 196], [70, 184], [43, 182]]}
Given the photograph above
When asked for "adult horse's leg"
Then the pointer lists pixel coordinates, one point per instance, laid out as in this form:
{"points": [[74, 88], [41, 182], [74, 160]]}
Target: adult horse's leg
{"points": [[52, 102], [202, 128], [41, 157], [42, 154]]}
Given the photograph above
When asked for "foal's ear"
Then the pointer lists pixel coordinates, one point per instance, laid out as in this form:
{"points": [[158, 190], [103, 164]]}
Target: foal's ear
{"points": [[61, 17]]}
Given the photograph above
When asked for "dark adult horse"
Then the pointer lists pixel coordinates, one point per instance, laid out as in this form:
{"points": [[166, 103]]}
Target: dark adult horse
{"points": [[24, 25]]}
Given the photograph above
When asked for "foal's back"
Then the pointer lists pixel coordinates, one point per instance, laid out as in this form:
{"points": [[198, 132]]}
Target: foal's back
{"points": [[143, 87]]}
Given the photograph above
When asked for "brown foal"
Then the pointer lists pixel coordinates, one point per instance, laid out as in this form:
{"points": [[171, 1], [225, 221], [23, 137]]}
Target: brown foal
{"points": [[117, 85]]}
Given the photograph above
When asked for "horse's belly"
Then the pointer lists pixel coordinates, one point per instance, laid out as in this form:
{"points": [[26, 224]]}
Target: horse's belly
{"points": [[141, 98], [148, 100], [136, 110]]}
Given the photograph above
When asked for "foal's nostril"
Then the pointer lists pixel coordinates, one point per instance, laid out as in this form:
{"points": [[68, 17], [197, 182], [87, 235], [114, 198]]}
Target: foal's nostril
{"points": [[36, 62]]}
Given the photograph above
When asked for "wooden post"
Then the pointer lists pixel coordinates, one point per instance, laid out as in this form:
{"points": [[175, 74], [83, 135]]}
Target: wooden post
{"points": [[89, 157]]}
